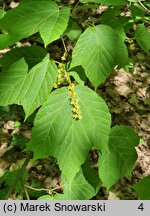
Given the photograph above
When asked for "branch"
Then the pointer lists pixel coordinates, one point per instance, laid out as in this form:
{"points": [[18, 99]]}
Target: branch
{"points": [[148, 11]]}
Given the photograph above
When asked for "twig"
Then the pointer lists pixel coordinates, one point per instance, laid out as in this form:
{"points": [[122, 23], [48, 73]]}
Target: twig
{"points": [[36, 189], [57, 62], [64, 45], [25, 190], [42, 189], [148, 11], [73, 10]]}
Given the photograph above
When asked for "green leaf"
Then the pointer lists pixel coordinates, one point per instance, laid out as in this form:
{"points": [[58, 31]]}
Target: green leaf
{"points": [[46, 197], [17, 124], [11, 82], [117, 27], [55, 26], [19, 141], [32, 55], [58, 134], [7, 40], [2, 13], [8, 178], [98, 51], [91, 175], [143, 188], [137, 10], [110, 14], [136, 0], [27, 89], [121, 157], [79, 189], [76, 77], [38, 84], [73, 31], [110, 17], [143, 37], [80, 72], [31, 17], [106, 2], [132, 0]]}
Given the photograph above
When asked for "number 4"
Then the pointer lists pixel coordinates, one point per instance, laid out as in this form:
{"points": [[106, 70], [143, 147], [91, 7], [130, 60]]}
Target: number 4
{"points": [[141, 207]]}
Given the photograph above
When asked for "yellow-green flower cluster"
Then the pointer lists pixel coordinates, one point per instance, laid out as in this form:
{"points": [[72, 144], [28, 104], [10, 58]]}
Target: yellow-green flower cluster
{"points": [[131, 43], [61, 75], [74, 102]]}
